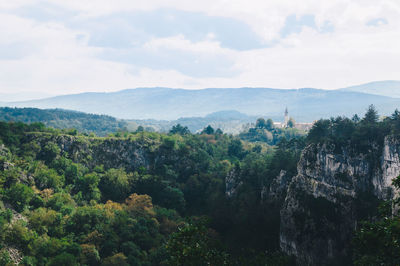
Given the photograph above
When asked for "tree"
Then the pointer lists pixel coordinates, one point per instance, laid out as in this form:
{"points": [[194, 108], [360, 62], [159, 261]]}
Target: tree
{"points": [[114, 184], [179, 129], [208, 130], [45, 221], [355, 118], [219, 131], [378, 242], [5, 258], [193, 245], [18, 234], [169, 142], [61, 202], [49, 152], [139, 205], [291, 123], [371, 116], [19, 195], [320, 131], [395, 119], [235, 148], [89, 255], [260, 123], [269, 124], [88, 185], [63, 259], [48, 178], [118, 259]]}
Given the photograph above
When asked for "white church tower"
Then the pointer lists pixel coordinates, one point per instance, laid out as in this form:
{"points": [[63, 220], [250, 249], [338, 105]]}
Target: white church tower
{"points": [[285, 124]]}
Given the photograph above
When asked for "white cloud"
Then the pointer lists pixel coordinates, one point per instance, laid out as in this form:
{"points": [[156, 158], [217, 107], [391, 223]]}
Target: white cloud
{"points": [[180, 43], [57, 57]]}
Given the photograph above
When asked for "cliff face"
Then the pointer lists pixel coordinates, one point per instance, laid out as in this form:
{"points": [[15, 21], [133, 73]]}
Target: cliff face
{"points": [[275, 193], [390, 167], [330, 193], [110, 152]]}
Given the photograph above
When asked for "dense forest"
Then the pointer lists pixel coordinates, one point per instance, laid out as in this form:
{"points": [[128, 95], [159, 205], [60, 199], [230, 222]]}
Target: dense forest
{"points": [[74, 203], [146, 198], [100, 125]]}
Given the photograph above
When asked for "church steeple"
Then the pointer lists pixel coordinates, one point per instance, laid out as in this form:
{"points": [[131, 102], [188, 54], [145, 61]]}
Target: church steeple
{"points": [[285, 124]]}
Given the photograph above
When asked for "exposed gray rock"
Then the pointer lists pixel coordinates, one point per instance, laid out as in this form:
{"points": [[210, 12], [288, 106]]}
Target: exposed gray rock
{"points": [[15, 255], [324, 201], [110, 152], [3, 150], [232, 182], [276, 191]]}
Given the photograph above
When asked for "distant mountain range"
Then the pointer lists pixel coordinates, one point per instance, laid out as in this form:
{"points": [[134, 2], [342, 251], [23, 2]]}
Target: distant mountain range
{"points": [[389, 88], [304, 105]]}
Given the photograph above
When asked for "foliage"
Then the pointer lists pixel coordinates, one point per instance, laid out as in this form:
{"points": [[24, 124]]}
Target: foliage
{"points": [[179, 129], [193, 244], [208, 130], [63, 119], [265, 131], [114, 184], [377, 242], [19, 195], [5, 258], [362, 136]]}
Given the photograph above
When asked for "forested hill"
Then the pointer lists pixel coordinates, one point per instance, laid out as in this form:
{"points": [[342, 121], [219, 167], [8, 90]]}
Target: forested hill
{"points": [[231, 122], [101, 125]]}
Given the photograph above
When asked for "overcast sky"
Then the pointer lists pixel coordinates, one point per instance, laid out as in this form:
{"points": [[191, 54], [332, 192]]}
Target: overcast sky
{"points": [[72, 46]]}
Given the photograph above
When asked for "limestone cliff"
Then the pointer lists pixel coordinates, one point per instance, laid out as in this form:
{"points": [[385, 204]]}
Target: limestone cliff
{"points": [[334, 188], [110, 152], [232, 182]]}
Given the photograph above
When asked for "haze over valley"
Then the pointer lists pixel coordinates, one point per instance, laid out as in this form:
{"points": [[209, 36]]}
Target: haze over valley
{"points": [[305, 105]]}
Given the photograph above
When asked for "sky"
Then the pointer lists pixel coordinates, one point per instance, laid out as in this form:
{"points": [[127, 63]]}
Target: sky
{"points": [[72, 46]]}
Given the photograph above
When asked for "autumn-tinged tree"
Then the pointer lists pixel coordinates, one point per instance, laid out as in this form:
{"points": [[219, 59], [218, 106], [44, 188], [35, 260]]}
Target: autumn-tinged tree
{"points": [[89, 255], [118, 259], [139, 205]]}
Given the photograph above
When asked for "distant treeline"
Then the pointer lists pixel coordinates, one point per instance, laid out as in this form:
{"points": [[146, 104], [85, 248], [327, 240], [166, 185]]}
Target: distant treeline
{"points": [[101, 125]]}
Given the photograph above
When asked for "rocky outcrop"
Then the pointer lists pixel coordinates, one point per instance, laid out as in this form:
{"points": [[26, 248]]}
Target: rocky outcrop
{"points": [[3, 150], [390, 168], [109, 152], [14, 253], [331, 192], [232, 182], [275, 193], [4, 164]]}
